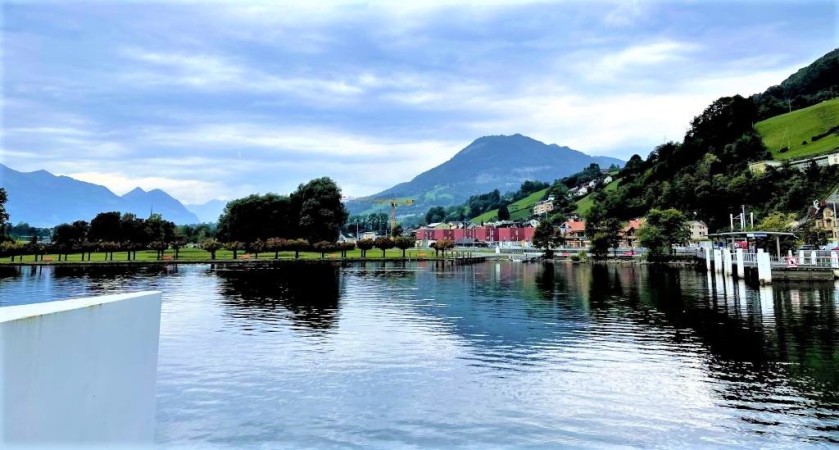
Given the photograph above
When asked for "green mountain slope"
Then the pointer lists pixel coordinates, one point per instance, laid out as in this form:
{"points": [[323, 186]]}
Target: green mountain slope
{"points": [[792, 129], [520, 209], [584, 203]]}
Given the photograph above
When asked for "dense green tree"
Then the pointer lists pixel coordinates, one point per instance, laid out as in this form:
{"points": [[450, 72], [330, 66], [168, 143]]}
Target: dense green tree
{"points": [[4, 216], [547, 238], [322, 214], [435, 214], [662, 230], [503, 212], [106, 226], [259, 217]]}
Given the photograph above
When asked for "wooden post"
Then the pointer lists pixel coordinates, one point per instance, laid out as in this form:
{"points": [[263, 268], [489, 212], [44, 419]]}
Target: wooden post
{"points": [[741, 270]]}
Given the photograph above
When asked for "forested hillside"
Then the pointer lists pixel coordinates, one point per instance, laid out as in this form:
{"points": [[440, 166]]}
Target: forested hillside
{"points": [[813, 84], [707, 175]]}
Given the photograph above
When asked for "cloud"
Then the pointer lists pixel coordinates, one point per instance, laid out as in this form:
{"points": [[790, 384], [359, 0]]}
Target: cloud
{"points": [[626, 62], [224, 99], [215, 73]]}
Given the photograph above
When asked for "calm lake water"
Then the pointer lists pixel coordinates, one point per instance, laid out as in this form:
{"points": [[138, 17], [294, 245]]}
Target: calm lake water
{"points": [[489, 355]]}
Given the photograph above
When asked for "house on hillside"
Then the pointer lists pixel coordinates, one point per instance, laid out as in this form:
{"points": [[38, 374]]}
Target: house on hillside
{"points": [[698, 231], [825, 217], [574, 233], [759, 167], [543, 207], [607, 180]]}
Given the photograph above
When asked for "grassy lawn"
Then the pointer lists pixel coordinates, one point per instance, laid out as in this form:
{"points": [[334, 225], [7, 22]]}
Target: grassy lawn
{"points": [[789, 130], [584, 204], [520, 209], [193, 255]]}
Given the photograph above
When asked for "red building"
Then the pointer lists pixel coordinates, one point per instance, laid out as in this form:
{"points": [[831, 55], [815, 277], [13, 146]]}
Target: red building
{"points": [[484, 234]]}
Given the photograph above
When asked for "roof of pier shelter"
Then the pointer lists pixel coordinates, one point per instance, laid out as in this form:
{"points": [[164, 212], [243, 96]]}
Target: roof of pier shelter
{"points": [[746, 234]]}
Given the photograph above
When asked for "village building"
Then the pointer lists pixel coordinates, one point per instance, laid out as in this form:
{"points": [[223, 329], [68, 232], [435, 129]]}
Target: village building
{"points": [[825, 217], [574, 233], [543, 207], [629, 233], [698, 231]]}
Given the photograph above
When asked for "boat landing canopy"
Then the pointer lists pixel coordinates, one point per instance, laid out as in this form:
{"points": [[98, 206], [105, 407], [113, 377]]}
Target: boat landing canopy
{"points": [[732, 235]]}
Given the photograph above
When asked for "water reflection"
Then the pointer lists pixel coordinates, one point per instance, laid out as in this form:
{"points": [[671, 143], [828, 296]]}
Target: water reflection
{"points": [[307, 294], [491, 355]]}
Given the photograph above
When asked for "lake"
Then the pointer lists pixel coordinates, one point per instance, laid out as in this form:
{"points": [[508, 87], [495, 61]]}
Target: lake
{"points": [[504, 354]]}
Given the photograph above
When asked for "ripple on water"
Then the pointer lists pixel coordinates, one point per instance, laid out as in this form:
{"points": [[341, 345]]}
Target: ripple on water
{"points": [[491, 355]]}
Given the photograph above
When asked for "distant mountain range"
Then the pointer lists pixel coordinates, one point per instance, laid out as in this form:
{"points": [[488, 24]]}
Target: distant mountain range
{"points": [[45, 200], [490, 162]]}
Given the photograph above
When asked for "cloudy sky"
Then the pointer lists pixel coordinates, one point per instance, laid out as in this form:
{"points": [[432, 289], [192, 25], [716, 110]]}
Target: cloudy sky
{"points": [[218, 100]]}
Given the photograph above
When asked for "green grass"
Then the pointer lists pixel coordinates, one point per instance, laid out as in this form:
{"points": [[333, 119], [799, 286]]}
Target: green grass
{"points": [[198, 255], [584, 204], [789, 130], [520, 209]]}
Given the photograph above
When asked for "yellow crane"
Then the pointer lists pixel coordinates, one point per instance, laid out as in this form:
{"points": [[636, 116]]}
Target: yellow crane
{"points": [[394, 202]]}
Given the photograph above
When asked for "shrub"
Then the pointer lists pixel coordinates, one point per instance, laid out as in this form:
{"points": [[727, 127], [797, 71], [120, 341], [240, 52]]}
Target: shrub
{"points": [[783, 150]]}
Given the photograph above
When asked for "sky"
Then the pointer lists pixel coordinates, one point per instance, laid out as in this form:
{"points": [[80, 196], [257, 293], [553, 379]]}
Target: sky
{"points": [[218, 100]]}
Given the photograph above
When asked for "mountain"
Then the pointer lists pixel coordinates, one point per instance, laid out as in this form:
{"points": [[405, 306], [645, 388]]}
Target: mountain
{"points": [[45, 200], [208, 212], [488, 163]]}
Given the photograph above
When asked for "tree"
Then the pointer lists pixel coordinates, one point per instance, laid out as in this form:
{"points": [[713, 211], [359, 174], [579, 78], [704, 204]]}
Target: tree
{"points": [[176, 245], [4, 216], [11, 249], [604, 235], [276, 245], [812, 235], [662, 230], [441, 246], [383, 243], [106, 226], [211, 245], [403, 243], [256, 247], [503, 212], [779, 222], [322, 214], [323, 247], [160, 247], [298, 245], [546, 237], [235, 247], [364, 245], [259, 217], [344, 247], [435, 214]]}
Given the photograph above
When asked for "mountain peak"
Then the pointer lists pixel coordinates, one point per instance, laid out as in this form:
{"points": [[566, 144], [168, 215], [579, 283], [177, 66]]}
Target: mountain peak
{"points": [[500, 162], [136, 191]]}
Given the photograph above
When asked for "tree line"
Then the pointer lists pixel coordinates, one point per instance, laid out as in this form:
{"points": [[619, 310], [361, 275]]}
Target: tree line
{"points": [[706, 176]]}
